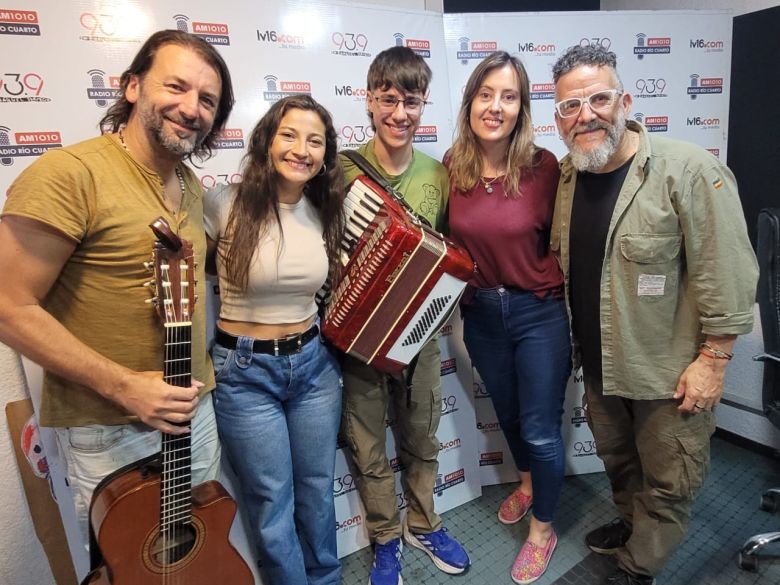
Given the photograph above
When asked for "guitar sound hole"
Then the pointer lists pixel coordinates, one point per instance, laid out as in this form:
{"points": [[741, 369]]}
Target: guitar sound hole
{"points": [[172, 545]]}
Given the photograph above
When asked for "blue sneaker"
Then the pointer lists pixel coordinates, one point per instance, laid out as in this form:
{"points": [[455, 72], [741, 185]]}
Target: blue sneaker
{"points": [[386, 569], [445, 552]]}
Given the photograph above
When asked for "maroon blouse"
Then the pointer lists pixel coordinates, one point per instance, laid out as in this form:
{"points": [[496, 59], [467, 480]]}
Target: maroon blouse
{"points": [[509, 237]]}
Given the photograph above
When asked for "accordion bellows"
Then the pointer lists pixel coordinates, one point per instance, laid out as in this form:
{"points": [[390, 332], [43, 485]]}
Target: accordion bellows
{"points": [[399, 283]]}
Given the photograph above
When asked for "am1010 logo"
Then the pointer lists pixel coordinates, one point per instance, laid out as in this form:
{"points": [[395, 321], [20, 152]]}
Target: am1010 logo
{"points": [[19, 22], [21, 87], [26, 144]]}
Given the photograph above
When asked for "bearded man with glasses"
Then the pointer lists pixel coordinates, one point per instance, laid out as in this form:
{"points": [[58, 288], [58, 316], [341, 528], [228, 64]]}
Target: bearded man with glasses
{"points": [[660, 279], [397, 83]]}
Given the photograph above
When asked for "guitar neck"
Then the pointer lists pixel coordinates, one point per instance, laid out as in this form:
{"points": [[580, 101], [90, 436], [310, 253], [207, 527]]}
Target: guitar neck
{"points": [[176, 483]]}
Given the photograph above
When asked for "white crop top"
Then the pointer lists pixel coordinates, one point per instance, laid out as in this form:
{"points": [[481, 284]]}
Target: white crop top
{"points": [[284, 274]]}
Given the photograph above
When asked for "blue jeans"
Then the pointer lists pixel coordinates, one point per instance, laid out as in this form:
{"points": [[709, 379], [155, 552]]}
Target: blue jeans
{"points": [[520, 346], [278, 417]]}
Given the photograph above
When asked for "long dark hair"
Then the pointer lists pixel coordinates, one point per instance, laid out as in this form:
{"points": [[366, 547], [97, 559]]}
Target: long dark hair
{"points": [[256, 202], [119, 113], [466, 163]]}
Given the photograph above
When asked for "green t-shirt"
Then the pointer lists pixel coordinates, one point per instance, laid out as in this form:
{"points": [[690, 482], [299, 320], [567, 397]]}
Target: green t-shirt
{"points": [[424, 184], [103, 200]]}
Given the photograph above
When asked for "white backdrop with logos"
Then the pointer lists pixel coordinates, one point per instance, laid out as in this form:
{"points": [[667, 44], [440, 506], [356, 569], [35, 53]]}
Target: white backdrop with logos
{"points": [[677, 64]]}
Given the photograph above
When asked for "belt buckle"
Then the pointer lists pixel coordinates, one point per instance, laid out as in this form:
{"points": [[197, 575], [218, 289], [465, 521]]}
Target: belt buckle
{"points": [[276, 348]]}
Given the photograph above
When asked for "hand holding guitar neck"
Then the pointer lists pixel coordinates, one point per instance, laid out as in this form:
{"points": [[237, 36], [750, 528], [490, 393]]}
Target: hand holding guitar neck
{"points": [[156, 403]]}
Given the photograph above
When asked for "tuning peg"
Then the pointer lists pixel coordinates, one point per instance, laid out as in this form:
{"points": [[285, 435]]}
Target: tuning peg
{"points": [[152, 301], [196, 297], [149, 266], [151, 283]]}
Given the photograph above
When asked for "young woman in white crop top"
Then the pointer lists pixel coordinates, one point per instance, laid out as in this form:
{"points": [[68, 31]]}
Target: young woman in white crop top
{"points": [[275, 238]]}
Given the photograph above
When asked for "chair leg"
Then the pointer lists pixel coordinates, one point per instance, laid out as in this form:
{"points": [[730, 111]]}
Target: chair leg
{"points": [[748, 558], [770, 500]]}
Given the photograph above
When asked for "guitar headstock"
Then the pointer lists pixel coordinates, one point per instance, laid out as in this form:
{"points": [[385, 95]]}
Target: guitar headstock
{"points": [[174, 275]]}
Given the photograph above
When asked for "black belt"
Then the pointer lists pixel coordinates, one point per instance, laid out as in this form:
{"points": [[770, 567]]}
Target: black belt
{"points": [[281, 346]]}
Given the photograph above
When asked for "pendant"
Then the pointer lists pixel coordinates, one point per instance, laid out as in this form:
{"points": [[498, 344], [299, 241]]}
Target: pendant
{"points": [[489, 188]]}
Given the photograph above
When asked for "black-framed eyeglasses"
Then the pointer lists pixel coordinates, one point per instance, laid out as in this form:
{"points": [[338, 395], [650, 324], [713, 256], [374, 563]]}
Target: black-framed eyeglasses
{"points": [[412, 104], [598, 102]]}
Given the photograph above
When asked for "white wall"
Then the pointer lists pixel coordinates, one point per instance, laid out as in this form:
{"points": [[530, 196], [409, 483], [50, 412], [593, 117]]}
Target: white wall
{"points": [[738, 8], [22, 559]]}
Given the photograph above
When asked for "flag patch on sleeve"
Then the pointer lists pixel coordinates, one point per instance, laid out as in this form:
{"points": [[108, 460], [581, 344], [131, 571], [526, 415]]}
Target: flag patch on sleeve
{"points": [[717, 183]]}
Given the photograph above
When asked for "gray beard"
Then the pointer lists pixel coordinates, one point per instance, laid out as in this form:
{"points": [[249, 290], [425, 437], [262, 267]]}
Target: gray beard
{"points": [[180, 147], [597, 158]]}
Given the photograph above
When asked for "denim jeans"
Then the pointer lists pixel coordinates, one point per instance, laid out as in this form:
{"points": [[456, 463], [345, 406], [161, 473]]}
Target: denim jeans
{"points": [[278, 417], [92, 452], [519, 344]]}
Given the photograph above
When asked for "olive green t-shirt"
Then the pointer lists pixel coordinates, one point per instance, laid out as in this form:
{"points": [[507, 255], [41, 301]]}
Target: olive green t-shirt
{"points": [[101, 198], [424, 184]]}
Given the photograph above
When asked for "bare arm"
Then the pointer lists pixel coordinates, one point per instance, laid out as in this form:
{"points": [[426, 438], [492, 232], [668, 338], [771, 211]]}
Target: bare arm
{"points": [[32, 256]]}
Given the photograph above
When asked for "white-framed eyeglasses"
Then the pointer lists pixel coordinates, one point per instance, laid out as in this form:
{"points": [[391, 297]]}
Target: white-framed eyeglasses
{"points": [[412, 104], [598, 102]]}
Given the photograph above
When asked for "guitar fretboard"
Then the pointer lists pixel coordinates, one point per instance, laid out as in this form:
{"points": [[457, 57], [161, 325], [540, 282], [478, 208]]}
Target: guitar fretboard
{"points": [[176, 482]]}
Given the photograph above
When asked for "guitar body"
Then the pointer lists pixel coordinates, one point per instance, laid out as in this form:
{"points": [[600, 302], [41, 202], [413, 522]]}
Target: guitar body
{"points": [[125, 516]]}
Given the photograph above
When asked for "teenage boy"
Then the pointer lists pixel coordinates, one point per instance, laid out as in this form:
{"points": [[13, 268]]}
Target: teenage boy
{"points": [[398, 81]]}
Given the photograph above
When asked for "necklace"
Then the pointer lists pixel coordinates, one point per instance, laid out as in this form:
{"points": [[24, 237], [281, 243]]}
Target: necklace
{"points": [[176, 169], [488, 184]]}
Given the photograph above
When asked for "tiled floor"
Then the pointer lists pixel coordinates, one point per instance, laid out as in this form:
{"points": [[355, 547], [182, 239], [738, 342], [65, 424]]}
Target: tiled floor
{"points": [[725, 515]]}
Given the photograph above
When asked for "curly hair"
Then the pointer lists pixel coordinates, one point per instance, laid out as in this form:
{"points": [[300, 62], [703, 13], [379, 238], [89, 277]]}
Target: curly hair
{"points": [[465, 161], [256, 202], [119, 113], [589, 54]]}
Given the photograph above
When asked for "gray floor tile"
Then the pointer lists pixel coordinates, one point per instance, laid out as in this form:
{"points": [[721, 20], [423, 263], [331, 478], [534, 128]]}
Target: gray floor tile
{"points": [[725, 515]]}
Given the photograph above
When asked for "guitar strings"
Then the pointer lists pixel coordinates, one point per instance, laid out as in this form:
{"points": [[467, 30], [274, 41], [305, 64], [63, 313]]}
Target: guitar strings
{"points": [[176, 494]]}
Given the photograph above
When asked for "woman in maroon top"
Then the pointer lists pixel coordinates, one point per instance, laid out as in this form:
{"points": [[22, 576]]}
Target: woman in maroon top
{"points": [[515, 325]]}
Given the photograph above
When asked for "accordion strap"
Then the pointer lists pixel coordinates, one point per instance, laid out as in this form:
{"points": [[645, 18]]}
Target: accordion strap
{"points": [[362, 163]]}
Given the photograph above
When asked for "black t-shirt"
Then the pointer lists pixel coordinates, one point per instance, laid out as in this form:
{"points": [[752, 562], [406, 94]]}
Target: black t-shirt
{"points": [[595, 196]]}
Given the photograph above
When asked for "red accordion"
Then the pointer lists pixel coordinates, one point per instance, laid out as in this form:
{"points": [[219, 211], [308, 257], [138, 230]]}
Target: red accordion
{"points": [[399, 283]]}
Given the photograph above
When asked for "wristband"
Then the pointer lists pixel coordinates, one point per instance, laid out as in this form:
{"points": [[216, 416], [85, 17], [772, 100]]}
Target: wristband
{"points": [[714, 352]]}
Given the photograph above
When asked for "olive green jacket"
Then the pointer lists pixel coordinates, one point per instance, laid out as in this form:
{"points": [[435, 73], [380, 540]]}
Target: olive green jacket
{"points": [[677, 264]]}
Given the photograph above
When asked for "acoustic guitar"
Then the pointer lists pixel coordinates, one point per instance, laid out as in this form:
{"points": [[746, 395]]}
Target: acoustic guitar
{"points": [[148, 525]]}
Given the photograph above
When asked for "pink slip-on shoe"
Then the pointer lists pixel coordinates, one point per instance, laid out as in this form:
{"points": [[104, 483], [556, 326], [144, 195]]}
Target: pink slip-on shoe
{"points": [[532, 561], [514, 507]]}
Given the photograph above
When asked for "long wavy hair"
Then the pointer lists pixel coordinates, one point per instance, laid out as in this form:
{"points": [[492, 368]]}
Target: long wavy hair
{"points": [[256, 202], [465, 161], [119, 112]]}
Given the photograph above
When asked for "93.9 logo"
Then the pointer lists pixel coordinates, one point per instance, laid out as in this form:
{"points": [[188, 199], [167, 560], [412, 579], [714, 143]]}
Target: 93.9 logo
{"points": [[356, 134], [448, 404], [351, 42], [98, 24], [651, 86], [20, 86], [604, 42], [211, 181], [582, 448], [343, 484]]}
